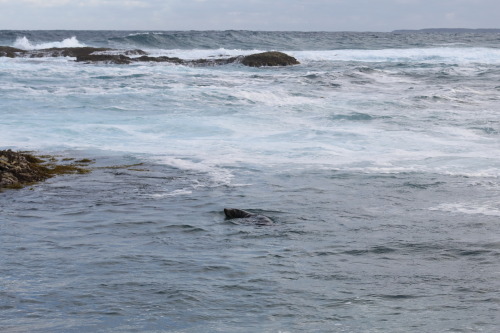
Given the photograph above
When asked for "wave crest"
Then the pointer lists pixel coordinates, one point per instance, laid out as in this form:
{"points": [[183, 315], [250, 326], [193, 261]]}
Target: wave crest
{"points": [[25, 44]]}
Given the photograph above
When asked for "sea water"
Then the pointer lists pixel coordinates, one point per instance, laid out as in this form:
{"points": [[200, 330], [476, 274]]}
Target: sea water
{"points": [[378, 159]]}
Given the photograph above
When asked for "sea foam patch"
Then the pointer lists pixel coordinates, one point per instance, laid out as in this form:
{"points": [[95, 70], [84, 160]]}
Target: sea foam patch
{"points": [[469, 208], [455, 55]]}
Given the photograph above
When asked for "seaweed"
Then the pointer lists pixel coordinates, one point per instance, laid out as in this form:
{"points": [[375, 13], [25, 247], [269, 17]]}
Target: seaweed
{"points": [[20, 169]]}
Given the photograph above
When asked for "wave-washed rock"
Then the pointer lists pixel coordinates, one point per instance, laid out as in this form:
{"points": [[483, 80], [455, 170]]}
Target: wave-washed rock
{"points": [[11, 52], [272, 58], [111, 56], [18, 169]]}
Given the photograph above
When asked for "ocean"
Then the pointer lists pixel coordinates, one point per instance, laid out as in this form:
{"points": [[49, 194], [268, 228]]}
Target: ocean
{"points": [[377, 158]]}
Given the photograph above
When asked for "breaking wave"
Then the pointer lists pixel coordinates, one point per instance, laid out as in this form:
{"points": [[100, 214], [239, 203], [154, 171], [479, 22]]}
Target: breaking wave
{"points": [[25, 44]]}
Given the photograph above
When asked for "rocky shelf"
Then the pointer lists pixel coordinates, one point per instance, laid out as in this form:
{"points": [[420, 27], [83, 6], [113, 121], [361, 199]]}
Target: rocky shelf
{"points": [[112, 56]]}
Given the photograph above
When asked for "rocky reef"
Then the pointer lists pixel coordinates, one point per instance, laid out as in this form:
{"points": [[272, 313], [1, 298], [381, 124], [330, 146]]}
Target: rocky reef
{"points": [[123, 57], [19, 169], [11, 52], [119, 59]]}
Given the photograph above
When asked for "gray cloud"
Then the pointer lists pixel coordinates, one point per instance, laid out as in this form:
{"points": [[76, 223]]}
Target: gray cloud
{"points": [[329, 15]]}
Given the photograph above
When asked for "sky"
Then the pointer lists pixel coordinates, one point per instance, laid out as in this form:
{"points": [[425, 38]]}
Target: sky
{"points": [[270, 15]]}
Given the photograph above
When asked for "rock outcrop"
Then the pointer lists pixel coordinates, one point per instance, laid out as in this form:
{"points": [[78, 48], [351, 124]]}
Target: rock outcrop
{"points": [[18, 169], [119, 59], [112, 56], [11, 52], [122, 59], [65, 52], [272, 58]]}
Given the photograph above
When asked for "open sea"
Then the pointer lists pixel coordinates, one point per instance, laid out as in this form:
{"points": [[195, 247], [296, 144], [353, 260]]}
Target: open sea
{"points": [[377, 158]]}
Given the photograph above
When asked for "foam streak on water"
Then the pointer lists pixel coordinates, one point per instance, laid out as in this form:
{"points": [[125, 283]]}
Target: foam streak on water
{"points": [[377, 158]]}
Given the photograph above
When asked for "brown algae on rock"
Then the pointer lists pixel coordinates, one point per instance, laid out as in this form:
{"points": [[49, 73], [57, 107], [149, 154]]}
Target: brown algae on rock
{"points": [[20, 169]]}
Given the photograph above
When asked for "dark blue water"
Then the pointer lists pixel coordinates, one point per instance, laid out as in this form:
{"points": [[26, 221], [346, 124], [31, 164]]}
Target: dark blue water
{"points": [[377, 159], [250, 40]]}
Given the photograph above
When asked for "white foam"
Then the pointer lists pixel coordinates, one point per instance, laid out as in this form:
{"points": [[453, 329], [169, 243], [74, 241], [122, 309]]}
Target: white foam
{"points": [[25, 44], [213, 120], [174, 193], [447, 55], [453, 55], [201, 53], [469, 208], [219, 175], [273, 98]]}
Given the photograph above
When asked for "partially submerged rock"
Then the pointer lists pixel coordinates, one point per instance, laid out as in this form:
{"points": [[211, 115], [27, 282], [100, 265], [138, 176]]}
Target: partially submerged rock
{"points": [[123, 59], [119, 59], [135, 52], [7, 51], [11, 52], [66, 51], [272, 58], [146, 58], [112, 56], [18, 169]]}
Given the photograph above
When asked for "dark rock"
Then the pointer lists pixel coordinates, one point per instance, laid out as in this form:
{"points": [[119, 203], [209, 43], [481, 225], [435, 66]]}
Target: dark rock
{"points": [[272, 58], [111, 56], [105, 58], [213, 62], [7, 51], [178, 61], [66, 52], [243, 215], [135, 52], [19, 169], [11, 52], [145, 58]]}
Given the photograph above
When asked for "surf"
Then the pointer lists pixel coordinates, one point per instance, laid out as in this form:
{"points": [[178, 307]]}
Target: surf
{"points": [[24, 43]]}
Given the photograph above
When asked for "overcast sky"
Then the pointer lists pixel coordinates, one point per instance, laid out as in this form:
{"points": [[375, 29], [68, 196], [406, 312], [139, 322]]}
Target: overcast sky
{"points": [[301, 15]]}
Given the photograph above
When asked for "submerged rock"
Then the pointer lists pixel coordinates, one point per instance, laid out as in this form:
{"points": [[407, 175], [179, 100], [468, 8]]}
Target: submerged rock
{"points": [[19, 169], [272, 58]]}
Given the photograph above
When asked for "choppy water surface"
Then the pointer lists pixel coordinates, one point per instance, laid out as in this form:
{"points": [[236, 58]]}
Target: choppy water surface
{"points": [[377, 158]]}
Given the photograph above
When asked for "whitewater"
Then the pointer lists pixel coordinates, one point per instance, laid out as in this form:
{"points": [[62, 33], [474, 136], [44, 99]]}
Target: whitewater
{"points": [[377, 158]]}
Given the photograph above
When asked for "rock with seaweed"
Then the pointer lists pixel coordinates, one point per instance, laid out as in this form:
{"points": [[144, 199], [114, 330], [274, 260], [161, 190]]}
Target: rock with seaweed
{"points": [[19, 169]]}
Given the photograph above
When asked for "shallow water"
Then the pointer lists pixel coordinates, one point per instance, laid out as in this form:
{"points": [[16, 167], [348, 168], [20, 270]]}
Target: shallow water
{"points": [[380, 169]]}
